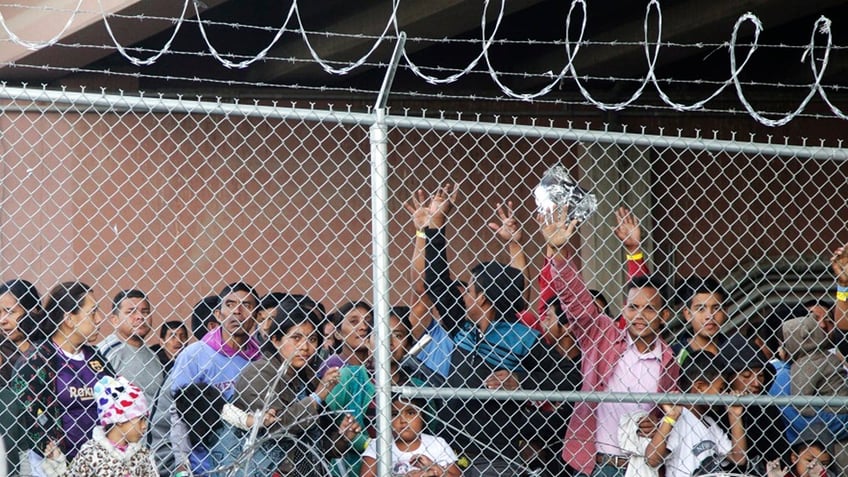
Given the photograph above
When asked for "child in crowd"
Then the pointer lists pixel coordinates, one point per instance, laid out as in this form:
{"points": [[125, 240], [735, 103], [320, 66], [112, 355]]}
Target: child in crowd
{"points": [[115, 448], [414, 453], [809, 458], [689, 440]]}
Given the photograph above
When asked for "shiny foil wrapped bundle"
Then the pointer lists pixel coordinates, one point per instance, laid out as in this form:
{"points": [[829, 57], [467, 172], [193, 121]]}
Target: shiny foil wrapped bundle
{"points": [[558, 190]]}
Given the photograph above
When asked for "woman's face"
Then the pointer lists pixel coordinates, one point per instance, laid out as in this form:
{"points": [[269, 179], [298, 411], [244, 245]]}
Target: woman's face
{"points": [[87, 319], [298, 345], [11, 313], [354, 331]]}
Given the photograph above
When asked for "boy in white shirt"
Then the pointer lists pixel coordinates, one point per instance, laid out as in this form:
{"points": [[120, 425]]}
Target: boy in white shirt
{"points": [[414, 453], [689, 440]]}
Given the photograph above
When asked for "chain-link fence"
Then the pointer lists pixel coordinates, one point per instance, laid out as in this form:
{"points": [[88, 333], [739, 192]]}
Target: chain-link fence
{"points": [[229, 255]]}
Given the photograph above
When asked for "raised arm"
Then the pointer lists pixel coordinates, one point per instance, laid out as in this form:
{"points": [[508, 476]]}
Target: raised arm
{"points": [[576, 301], [630, 233], [441, 288], [420, 316], [508, 230]]}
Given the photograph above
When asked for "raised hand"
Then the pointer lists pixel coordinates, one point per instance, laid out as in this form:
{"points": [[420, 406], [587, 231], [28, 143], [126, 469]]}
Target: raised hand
{"points": [[349, 428], [774, 469], [559, 230], [328, 381], [417, 207], [839, 264], [433, 211], [508, 230], [441, 205], [627, 230]]}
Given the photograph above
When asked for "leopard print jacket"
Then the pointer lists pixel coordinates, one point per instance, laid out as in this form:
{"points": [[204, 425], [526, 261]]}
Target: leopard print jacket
{"points": [[99, 458]]}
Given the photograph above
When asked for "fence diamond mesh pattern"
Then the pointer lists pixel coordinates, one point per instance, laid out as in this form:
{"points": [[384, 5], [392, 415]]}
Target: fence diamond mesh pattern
{"points": [[219, 258]]}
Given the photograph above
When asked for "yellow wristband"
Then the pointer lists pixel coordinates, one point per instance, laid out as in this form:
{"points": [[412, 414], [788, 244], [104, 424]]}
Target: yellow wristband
{"points": [[636, 256], [420, 234], [841, 296], [669, 420]]}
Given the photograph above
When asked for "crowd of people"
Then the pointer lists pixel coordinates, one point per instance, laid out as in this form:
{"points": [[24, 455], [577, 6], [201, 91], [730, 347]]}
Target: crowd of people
{"points": [[274, 385]]}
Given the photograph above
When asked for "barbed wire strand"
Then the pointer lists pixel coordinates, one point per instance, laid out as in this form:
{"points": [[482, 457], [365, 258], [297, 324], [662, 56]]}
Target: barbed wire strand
{"points": [[822, 25]]}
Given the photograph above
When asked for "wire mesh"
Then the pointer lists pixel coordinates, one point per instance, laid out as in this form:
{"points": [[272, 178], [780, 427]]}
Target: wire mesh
{"points": [[242, 237]]}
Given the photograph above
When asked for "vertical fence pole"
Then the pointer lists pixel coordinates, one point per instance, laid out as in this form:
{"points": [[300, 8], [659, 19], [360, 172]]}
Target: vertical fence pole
{"points": [[380, 250]]}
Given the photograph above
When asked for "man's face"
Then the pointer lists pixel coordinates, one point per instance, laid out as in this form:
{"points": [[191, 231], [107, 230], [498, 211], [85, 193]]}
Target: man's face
{"points": [[237, 314], [705, 314], [132, 318], [644, 313]]}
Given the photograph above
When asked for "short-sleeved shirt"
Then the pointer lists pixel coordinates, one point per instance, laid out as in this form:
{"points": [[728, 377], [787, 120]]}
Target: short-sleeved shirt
{"points": [[693, 442], [435, 448]]}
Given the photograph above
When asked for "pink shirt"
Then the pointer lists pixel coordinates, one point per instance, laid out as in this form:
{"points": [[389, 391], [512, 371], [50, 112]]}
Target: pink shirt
{"points": [[635, 373], [602, 344]]}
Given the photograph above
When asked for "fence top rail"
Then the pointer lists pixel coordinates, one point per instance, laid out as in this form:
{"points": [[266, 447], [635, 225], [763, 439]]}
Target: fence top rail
{"points": [[840, 402], [54, 99]]}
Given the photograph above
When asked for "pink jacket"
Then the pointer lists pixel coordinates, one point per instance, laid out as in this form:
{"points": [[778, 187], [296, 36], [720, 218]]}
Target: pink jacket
{"points": [[601, 343]]}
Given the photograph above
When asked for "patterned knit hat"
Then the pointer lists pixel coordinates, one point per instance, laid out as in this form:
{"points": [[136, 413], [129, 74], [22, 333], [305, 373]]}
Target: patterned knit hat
{"points": [[118, 400]]}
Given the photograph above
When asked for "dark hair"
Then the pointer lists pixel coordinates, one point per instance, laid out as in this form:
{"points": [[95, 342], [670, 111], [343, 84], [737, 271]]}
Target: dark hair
{"points": [[238, 287], [171, 325], [202, 314], [311, 306], [402, 313], [699, 285], [64, 298], [699, 366], [656, 282], [599, 296], [199, 405], [555, 303], [337, 316], [272, 300], [29, 299], [418, 402], [801, 443], [290, 314], [502, 285], [125, 294]]}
